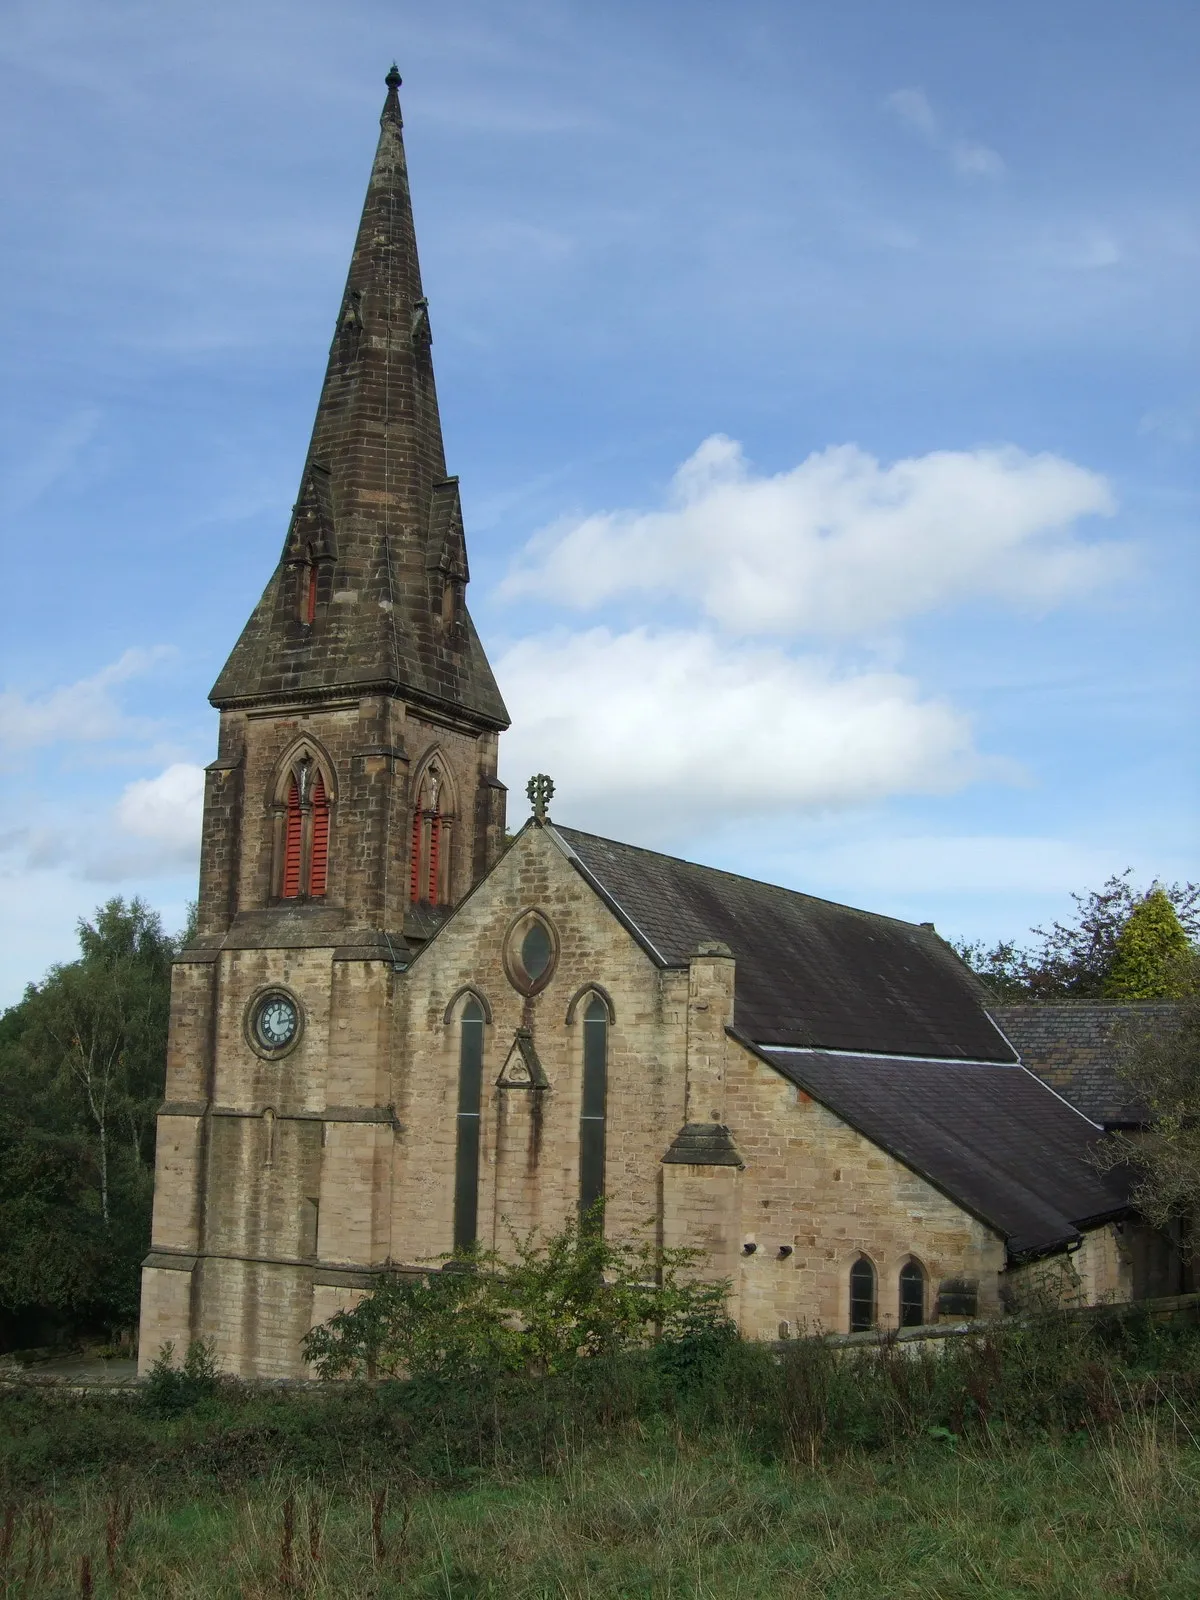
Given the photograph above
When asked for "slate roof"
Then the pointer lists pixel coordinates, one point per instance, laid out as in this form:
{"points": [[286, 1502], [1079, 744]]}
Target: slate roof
{"points": [[376, 510], [1071, 1045], [990, 1137], [809, 972]]}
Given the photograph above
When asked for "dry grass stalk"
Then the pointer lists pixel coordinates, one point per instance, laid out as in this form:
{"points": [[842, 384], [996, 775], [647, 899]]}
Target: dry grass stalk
{"points": [[378, 1507], [287, 1548]]}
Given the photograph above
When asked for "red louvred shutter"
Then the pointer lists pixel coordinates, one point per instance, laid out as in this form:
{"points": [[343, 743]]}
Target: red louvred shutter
{"points": [[435, 842], [319, 866], [414, 883], [310, 603], [291, 846]]}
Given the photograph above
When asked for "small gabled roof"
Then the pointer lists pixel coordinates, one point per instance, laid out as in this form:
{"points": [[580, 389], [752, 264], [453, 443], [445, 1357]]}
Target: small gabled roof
{"points": [[809, 972], [991, 1137], [1073, 1046]]}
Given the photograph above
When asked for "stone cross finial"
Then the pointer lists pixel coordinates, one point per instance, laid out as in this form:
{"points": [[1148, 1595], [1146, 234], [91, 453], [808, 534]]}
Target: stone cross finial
{"points": [[540, 790], [391, 106]]}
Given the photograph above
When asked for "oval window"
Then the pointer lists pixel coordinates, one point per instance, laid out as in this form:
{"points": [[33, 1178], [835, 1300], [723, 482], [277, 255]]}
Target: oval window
{"points": [[530, 953], [536, 951]]}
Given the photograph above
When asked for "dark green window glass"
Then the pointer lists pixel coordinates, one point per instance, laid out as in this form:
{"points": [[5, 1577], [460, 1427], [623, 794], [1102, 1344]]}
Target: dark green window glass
{"points": [[862, 1296], [535, 951], [592, 1111], [912, 1295], [466, 1163]]}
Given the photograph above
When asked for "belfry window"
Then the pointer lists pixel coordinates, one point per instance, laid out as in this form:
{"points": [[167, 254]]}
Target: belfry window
{"points": [[293, 835], [310, 594], [466, 1157], [429, 865], [862, 1296], [303, 832], [318, 871], [593, 1107], [912, 1294]]}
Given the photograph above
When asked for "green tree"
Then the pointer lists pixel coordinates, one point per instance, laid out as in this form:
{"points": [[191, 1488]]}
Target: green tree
{"points": [[82, 1069], [574, 1295], [1074, 958], [1148, 952], [1161, 1064]]}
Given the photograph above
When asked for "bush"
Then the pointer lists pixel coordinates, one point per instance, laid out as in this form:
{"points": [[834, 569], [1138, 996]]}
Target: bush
{"points": [[170, 1389], [574, 1296]]}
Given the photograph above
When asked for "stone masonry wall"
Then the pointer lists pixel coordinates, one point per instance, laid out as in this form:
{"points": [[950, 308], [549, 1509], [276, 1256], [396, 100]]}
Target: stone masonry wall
{"points": [[529, 1168], [287, 1180], [814, 1185]]}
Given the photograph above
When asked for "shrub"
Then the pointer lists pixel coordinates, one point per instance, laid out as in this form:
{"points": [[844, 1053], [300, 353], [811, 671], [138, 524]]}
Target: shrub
{"points": [[170, 1389], [571, 1296]]}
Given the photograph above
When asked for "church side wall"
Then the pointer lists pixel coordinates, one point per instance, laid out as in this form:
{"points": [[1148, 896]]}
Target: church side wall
{"points": [[814, 1184]]}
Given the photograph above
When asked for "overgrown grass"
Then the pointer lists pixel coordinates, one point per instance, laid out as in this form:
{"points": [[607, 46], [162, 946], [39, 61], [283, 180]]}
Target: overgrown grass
{"points": [[1056, 1460], [1115, 1514]]}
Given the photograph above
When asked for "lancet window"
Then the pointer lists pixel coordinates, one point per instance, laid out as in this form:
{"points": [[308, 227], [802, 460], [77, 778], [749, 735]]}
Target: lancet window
{"points": [[912, 1294], [308, 612], [304, 811], [593, 1107], [862, 1296], [466, 1158], [432, 826]]}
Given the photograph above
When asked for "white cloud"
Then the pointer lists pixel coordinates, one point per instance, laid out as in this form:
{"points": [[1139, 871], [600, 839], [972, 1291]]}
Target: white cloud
{"points": [[152, 831], [166, 810], [840, 545], [87, 710], [50, 463], [975, 160], [650, 733], [968, 159], [1089, 250], [1174, 425], [912, 107]]}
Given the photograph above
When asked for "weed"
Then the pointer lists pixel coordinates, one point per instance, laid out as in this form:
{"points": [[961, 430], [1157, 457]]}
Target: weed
{"points": [[170, 1389]]}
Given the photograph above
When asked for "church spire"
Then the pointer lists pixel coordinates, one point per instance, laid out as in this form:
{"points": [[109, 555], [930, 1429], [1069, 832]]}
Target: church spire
{"points": [[368, 593]]}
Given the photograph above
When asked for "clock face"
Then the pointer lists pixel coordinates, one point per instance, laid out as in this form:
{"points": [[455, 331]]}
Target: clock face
{"points": [[276, 1022]]}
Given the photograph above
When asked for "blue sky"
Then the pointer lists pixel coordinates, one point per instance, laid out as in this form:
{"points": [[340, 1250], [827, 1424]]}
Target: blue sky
{"points": [[822, 381]]}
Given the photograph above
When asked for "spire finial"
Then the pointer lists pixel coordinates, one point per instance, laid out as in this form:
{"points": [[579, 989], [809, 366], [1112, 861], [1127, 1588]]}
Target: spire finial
{"points": [[391, 106]]}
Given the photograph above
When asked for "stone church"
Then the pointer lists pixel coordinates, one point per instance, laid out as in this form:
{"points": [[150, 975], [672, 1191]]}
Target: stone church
{"points": [[399, 1032]]}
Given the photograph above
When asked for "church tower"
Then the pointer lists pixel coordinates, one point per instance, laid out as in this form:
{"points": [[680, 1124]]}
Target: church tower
{"points": [[354, 801]]}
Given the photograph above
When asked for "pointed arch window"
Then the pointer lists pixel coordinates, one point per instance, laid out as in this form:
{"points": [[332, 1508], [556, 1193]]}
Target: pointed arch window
{"points": [[293, 836], [432, 828], [594, 1105], [303, 826], [318, 870], [862, 1296], [310, 593], [466, 1156], [912, 1294]]}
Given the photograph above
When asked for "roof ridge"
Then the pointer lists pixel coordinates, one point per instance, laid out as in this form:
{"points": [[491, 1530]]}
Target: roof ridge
{"points": [[762, 883]]}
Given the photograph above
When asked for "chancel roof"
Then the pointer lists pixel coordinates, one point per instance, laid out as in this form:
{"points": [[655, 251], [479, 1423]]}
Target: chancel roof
{"points": [[993, 1138], [809, 971]]}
